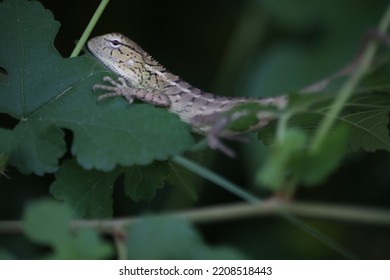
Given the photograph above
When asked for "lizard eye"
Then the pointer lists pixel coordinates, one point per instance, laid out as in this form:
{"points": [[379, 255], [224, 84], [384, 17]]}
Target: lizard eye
{"points": [[115, 43]]}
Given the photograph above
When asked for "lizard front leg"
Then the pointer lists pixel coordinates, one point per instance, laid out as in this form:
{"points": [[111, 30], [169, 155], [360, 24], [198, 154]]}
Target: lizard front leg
{"points": [[120, 88]]}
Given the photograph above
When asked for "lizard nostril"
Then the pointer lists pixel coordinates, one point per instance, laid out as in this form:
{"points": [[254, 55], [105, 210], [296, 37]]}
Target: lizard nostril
{"points": [[130, 62]]}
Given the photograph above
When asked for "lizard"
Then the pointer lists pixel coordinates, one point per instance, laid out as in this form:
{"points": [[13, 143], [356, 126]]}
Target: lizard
{"points": [[142, 77]]}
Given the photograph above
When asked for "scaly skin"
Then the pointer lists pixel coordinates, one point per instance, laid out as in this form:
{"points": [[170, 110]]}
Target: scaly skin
{"points": [[143, 78]]}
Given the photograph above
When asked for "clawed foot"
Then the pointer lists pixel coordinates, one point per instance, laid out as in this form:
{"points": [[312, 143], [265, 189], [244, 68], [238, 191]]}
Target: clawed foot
{"points": [[117, 88], [218, 125], [216, 144]]}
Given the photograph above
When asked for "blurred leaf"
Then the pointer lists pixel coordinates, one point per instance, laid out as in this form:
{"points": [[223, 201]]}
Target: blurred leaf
{"points": [[313, 167], [84, 245], [159, 238], [165, 238], [277, 167], [47, 222], [317, 45], [377, 79], [306, 43], [304, 12], [47, 92], [5, 255], [292, 159]]}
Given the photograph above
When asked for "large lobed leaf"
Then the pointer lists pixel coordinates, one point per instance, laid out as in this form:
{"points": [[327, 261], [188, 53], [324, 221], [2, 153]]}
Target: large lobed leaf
{"points": [[45, 92], [89, 192]]}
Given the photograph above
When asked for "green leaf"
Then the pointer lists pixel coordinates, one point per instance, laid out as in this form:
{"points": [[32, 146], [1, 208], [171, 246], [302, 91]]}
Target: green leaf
{"points": [[160, 238], [167, 238], [46, 92], [295, 62], [183, 179], [314, 167], [7, 140], [5, 255], [88, 192], [37, 148], [127, 135], [368, 119], [47, 222], [291, 159], [28, 55], [277, 168], [365, 115], [85, 245], [141, 182]]}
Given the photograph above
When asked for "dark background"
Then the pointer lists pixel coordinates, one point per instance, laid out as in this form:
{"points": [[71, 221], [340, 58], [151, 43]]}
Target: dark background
{"points": [[239, 48]]}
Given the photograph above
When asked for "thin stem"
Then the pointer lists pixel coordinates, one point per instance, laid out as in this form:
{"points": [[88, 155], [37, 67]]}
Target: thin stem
{"points": [[335, 212], [80, 44], [120, 245], [247, 196], [215, 178], [349, 86]]}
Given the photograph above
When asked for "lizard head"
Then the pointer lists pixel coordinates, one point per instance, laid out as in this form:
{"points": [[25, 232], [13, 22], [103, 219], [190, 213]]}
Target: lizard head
{"points": [[128, 60]]}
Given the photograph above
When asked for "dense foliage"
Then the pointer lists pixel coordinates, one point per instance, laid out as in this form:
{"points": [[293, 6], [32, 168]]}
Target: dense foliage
{"points": [[66, 159]]}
